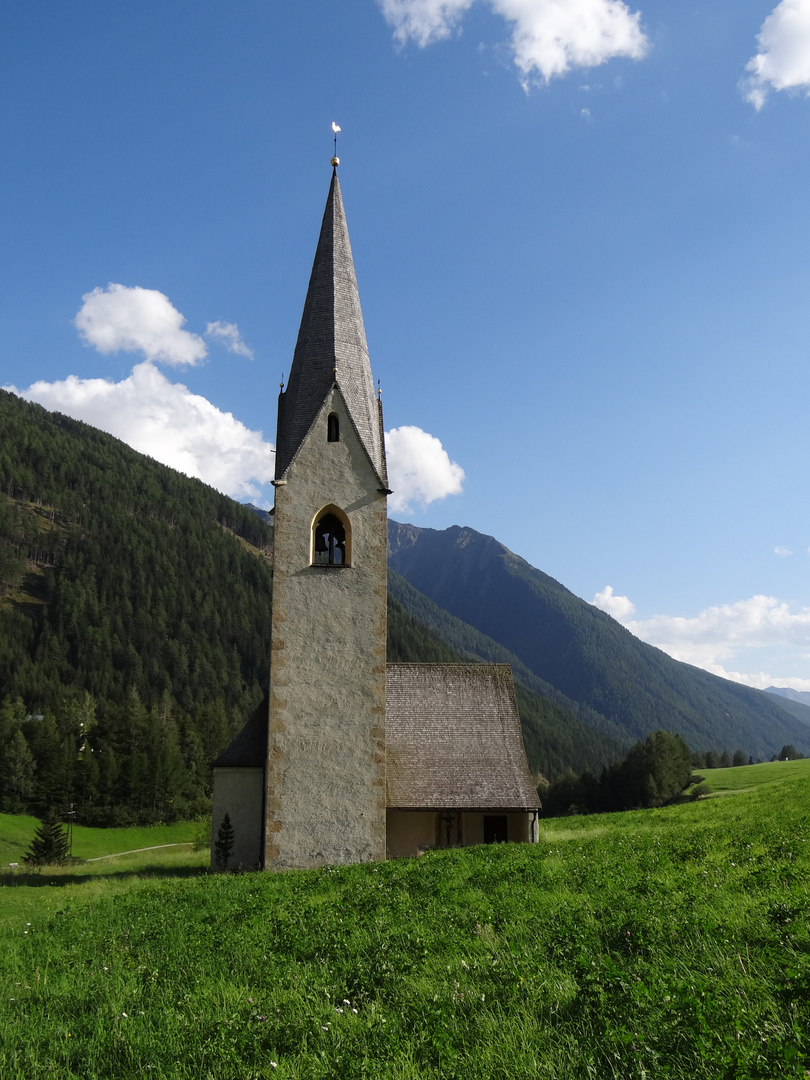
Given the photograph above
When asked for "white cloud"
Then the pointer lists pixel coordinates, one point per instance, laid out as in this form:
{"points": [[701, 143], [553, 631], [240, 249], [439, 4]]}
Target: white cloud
{"points": [[760, 680], [721, 633], [793, 684], [548, 37], [783, 60], [620, 607], [185, 431], [782, 552], [168, 422], [419, 468], [124, 319], [423, 21], [228, 334]]}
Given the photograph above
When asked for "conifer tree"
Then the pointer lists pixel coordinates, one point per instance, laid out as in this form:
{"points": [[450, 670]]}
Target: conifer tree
{"points": [[50, 844], [224, 843], [17, 782]]}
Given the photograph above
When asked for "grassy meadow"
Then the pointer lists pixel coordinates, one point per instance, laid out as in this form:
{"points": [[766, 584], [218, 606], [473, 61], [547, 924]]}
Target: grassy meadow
{"points": [[668, 943]]}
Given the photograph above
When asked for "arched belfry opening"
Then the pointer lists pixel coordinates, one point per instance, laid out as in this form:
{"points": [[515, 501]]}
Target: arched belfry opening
{"points": [[331, 538], [332, 428]]}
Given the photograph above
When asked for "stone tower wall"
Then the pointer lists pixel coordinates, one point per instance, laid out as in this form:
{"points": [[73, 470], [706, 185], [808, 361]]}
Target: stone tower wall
{"points": [[326, 754]]}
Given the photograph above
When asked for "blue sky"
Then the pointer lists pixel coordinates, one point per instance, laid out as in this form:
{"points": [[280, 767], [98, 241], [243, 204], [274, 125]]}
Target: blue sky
{"points": [[581, 239]]}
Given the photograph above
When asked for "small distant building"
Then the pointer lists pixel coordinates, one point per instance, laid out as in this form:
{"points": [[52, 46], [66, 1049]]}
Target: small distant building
{"points": [[353, 759]]}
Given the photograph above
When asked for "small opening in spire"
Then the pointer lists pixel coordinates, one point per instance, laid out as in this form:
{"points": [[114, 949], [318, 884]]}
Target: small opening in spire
{"points": [[332, 428]]}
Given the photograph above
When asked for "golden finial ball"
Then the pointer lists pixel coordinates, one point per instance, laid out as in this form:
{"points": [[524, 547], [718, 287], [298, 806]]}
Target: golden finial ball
{"points": [[335, 161]]}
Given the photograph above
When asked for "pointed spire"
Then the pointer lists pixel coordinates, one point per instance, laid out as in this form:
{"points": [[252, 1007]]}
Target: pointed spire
{"points": [[331, 347]]}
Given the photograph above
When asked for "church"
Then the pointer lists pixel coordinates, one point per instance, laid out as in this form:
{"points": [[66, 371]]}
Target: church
{"points": [[355, 759]]}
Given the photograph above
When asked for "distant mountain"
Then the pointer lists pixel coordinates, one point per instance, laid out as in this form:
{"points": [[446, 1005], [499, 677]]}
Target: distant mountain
{"points": [[615, 682], [555, 729], [796, 702], [263, 515], [134, 631]]}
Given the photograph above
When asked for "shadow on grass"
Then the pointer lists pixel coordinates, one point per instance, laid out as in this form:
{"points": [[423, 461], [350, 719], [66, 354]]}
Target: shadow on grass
{"points": [[46, 877]]}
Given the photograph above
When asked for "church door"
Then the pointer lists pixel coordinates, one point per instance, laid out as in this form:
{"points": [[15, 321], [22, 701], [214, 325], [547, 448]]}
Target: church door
{"points": [[448, 829], [495, 831]]}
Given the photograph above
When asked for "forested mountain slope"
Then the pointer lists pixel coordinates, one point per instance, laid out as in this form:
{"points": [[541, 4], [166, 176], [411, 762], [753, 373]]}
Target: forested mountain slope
{"points": [[134, 621], [627, 686], [556, 731], [796, 702], [135, 624]]}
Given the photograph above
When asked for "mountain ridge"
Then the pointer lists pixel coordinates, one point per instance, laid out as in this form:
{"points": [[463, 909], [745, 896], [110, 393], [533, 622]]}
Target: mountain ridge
{"points": [[581, 651], [796, 702], [134, 626]]}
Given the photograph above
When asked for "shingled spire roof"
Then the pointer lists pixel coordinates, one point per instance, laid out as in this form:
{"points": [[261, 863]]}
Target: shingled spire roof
{"points": [[331, 348]]}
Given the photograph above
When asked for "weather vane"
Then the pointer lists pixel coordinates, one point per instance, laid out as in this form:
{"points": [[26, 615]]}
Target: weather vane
{"points": [[335, 130]]}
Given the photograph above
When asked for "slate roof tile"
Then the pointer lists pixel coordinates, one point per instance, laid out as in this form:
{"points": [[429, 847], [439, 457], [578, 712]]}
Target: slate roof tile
{"points": [[453, 739], [331, 347]]}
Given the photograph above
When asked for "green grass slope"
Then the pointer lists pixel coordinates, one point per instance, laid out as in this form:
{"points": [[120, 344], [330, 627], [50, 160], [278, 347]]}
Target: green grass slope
{"points": [[628, 686], [671, 943], [17, 831], [766, 774]]}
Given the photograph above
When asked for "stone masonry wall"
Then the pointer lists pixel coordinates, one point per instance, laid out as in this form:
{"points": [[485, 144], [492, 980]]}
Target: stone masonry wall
{"points": [[326, 757]]}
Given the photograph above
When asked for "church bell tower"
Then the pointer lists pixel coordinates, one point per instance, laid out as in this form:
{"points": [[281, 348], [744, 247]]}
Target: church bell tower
{"points": [[325, 773]]}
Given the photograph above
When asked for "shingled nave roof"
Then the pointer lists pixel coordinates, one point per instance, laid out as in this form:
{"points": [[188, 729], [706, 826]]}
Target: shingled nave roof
{"points": [[453, 739], [331, 348]]}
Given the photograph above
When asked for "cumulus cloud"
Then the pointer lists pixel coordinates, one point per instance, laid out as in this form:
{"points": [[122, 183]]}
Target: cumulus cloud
{"points": [[761, 680], [720, 634], [783, 60], [419, 469], [228, 334], [782, 552], [620, 607], [548, 37], [132, 319], [165, 420], [423, 21], [185, 431]]}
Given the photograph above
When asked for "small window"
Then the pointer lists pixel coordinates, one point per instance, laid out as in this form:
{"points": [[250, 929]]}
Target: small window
{"points": [[329, 541], [332, 428]]}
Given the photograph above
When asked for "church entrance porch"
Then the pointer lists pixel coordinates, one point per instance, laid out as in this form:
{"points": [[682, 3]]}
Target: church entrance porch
{"points": [[410, 832]]}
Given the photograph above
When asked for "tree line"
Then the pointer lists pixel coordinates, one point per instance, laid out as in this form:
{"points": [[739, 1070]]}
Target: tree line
{"points": [[724, 759], [654, 771]]}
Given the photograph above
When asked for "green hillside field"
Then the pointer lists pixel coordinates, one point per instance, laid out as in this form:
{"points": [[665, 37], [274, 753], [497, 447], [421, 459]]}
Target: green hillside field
{"points": [[766, 774], [668, 943]]}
